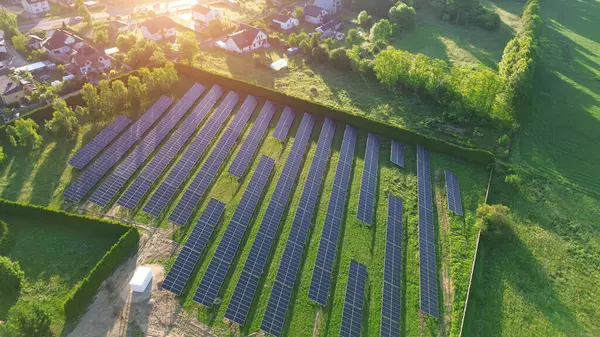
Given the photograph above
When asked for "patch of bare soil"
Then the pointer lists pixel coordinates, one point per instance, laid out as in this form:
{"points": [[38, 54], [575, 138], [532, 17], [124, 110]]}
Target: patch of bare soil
{"points": [[118, 312]]}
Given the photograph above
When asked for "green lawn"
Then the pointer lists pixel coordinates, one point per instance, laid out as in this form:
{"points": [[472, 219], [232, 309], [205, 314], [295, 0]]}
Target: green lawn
{"points": [[55, 259]]}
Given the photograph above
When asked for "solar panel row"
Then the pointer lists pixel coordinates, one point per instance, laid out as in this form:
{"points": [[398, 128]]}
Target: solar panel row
{"points": [[353, 302], [96, 145], [321, 276], [397, 154], [191, 197], [279, 300], [167, 189], [427, 259], [88, 179], [368, 186], [285, 122], [240, 163], [392, 270], [209, 287], [140, 186], [255, 265], [453, 193], [111, 186], [195, 244]]}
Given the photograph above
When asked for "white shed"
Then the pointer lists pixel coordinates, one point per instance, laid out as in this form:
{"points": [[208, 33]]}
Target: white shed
{"points": [[140, 280]]}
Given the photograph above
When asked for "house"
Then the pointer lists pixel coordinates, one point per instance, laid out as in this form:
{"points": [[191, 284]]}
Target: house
{"points": [[11, 91], [3, 53], [314, 14], [117, 26], [1, 37], [332, 6], [62, 43], [205, 14], [35, 6], [330, 26], [285, 22], [159, 28], [35, 42], [246, 39], [89, 60]]}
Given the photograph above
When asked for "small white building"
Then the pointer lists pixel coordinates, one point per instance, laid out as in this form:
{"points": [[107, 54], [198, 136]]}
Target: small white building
{"points": [[159, 28], [246, 39], [36, 6], [205, 14], [141, 279], [314, 14], [285, 22]]}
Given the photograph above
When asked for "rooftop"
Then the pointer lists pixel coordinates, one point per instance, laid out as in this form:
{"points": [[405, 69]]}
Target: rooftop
{"points": [[8, 85]]}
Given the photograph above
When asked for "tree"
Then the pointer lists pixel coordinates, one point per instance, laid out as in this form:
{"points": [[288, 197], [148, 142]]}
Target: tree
{"points": [[188, 45], [126, 41], [8, 22], [137, 92], [353, 37], [105, 98], [402, 16], [320, 53], [339, 58], [64, 121], [28, 319], [305, 47], [120, 95], [299, 13], [381, 31], [1, 154], [11, 275], [100, 33], [38, 32], [493, 218], [158, 58], [364, 20], [19, 41], [61, 69], [83, 11], [89, 93], [24, 133]]}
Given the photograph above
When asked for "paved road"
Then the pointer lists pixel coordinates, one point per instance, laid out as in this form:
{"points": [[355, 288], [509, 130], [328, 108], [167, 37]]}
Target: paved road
{"points": [[51, 24]]}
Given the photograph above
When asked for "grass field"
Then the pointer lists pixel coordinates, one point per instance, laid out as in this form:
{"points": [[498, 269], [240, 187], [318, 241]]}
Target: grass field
{"points": [[54, 260]]}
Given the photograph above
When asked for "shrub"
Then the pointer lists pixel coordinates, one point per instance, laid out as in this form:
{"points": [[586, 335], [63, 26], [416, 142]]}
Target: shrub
{"points": [[493, 218], [365, 20], [11, 276], [339, 58], [402, 16], [28, 319], [381, 31], [320, 53]]}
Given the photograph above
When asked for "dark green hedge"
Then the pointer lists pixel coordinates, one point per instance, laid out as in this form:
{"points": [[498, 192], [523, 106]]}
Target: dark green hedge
{"points": [[389, 130], [5, 238], [82, 295]]}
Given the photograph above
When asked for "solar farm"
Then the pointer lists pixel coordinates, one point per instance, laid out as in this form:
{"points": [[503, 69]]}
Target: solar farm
{"points": [[286, 221]]}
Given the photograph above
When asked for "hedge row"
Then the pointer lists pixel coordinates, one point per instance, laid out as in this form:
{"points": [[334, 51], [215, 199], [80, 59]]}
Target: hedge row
{"points": [[5, 238], [386, 129], [82, 295]]}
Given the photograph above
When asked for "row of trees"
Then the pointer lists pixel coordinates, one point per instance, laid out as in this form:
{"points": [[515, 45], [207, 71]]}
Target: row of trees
{"points": [[465, 12]]}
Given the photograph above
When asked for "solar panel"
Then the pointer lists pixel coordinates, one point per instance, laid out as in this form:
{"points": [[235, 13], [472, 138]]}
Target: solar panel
{"points": [[453, 193], [240, 163], [368, 186], [397, 154], [167, 153], [96, 145], [392, 270], [178, 174], [212, 281], [143, 150], [208, 172], [255, 265], [280, 297], [353, 302], [427, 259], [321, 276], [283, 125], [88, 179], [195, 244]]}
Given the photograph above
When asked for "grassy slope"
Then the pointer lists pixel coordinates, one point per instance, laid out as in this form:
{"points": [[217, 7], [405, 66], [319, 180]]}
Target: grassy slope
{"points": [[54, 260], [559, 136]]}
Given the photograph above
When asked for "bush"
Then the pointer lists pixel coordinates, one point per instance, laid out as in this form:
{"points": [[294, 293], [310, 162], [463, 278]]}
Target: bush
{"points": [[5, 238], [11, 276], [365, 20], [493, 218], [320, 53], [402, 16], [28, 319], [339, 59]]}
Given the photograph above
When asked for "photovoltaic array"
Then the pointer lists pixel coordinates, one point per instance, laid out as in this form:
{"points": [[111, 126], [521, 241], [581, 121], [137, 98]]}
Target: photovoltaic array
{"points": [[220, 264], [279, 300], [427, 259], [397, 154], [353, 302], [208, 172], [88, 179], [96, 145], [245, 289], [453, 193], [368, 186], [188, 257], [111, 186], [285, 122], [321, 276], [392, 270], [167, 189], [240, 163], [167, 153]]}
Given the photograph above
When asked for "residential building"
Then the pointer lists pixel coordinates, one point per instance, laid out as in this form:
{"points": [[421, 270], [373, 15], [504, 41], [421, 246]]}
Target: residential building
{"points": [[117, 27], [205, 14], [332, 6], [11, 91], [89, 60], [35, 6], [246, 39], [314, 14], [330, 26], [285, 22], [35, 42], [62, 43], [159, 28]]}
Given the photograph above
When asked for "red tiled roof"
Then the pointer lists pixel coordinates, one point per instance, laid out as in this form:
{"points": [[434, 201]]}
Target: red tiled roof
{"points": [[202, 9], [245, 35], [85, 54], [281, 18], [58, 39]]}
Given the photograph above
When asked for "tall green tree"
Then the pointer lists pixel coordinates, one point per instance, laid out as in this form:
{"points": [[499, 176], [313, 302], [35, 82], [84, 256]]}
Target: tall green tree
{"points": [[89, 93], [188, 46], [381, 31], [28, 319], [402, 16], [138, 93], [23, 133], [64, 121], [1, 154], [120, 96], [8, 22]]}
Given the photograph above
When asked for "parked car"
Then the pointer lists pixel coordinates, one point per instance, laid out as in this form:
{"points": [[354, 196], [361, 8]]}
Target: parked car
{"points": [[76, 19], [45, 78]]}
